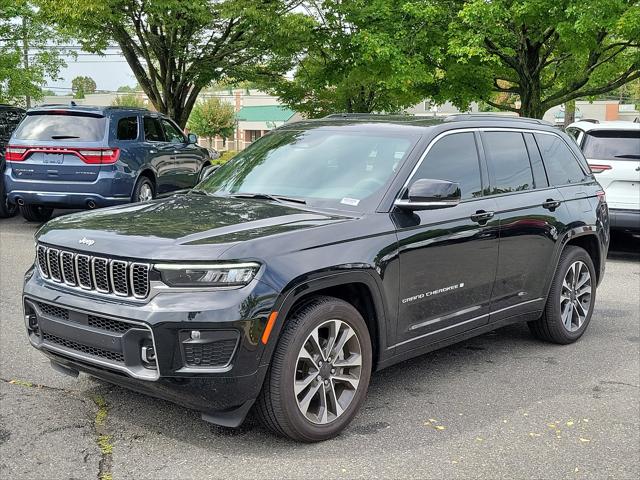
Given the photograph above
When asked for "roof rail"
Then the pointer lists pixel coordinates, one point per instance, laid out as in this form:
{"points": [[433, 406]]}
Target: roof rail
{"points": [[368, 115], [590, 120], [462, 117]]}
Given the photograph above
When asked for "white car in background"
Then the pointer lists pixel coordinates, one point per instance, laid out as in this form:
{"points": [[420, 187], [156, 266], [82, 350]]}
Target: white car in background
{"points": [[612, 150]]}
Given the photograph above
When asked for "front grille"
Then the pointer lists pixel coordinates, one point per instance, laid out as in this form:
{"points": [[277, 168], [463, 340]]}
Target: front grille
{"points": [[54, 311], [103, 275], [96, 352], [214, 354], [108, 324]]}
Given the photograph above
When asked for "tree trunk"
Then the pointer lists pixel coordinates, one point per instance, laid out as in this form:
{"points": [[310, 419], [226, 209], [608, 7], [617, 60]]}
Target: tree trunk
{"points": [[569, 113]]}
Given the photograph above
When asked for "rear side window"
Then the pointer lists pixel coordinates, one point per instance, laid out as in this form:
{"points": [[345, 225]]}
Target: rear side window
{"points": [[152, 130], [612, 145], [52, 126], [560, 163], [172, 133], [508, 161], [454, 158], [573, 133], [128, 128]]}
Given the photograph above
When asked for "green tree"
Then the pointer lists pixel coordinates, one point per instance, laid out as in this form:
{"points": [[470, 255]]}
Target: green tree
{"points": [[540, 53], [128, 100], [176, 48], [81, 86], [363, 56], [28, 52], [212, 118]]}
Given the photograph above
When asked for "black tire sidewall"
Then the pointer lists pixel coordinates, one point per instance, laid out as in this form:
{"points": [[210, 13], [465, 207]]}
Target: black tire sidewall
{"points": [[303, 428], [36, 213], [552, 310]]}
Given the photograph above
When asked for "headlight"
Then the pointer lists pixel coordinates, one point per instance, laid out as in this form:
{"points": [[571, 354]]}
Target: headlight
{"points": [[209, 275]]}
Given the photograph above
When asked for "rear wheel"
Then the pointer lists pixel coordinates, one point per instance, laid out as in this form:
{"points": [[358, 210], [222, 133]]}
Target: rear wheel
{"points": [[571, 299], [6, 209], [319, 373], [36, 213], [143, 191]]}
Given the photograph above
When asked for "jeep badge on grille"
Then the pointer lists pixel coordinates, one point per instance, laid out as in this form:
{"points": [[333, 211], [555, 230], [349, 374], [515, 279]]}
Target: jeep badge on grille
{"points": [[86, 241]]}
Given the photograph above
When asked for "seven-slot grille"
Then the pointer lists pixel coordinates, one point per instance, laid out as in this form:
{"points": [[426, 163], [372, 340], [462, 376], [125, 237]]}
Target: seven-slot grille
{"points": [[103, 275]]}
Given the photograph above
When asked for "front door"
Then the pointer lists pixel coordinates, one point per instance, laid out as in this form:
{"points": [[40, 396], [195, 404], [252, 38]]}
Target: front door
{"points": [[185, 157], [448, 256]]}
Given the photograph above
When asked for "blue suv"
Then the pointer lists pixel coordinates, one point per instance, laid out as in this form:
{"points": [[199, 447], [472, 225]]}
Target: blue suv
{"points": [[89, 157]]}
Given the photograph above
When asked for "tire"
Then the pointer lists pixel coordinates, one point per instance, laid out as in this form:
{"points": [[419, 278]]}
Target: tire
{"points": [[567, 315], [141, 191], [36, 213], [280, 409], [6, 209]]}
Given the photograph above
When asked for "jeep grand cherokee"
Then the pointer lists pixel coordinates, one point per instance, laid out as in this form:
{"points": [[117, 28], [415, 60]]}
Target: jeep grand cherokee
{"points": [[326, 250]]}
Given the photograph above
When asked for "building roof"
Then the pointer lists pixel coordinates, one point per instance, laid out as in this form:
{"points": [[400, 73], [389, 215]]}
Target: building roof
{"points": [[265, 113]]}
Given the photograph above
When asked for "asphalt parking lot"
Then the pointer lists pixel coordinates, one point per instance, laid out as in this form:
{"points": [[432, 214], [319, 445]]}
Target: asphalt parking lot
{"points": [[502, 405]]}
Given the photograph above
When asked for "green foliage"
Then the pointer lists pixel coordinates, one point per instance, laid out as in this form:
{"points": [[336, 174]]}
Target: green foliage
{"points": [[541, 53], [128, 100], [176, 48], [364, 56], [20, 23], [224, 157], [212, 118], [81, 86]]}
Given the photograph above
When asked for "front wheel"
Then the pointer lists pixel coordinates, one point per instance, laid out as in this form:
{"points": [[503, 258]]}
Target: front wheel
{"points": [[36, 213], [319, 373], [571, 299]]}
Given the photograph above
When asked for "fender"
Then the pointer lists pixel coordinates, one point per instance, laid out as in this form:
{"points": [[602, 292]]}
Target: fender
{"points": [[297, 289], [570, 234]]}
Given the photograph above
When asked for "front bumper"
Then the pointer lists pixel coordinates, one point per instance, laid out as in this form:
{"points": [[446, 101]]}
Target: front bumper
{"points": [[625, 219], [105, 337]]}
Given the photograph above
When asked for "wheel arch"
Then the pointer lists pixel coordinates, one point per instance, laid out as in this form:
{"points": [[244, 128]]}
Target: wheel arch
{"points": [[359, 289]]}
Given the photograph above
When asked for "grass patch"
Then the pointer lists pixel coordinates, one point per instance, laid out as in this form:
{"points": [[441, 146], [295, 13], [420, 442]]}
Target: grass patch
{"points": [[224, 157], [104, 442], [22, 383]]}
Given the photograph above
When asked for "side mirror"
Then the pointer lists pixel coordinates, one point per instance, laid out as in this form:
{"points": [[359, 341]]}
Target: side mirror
{"points": [[428, 194], [192, 138]]}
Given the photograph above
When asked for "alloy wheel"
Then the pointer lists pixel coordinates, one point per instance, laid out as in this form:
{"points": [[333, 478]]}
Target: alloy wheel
{"points": [[575, 296], [328, 371], [146, 193]]}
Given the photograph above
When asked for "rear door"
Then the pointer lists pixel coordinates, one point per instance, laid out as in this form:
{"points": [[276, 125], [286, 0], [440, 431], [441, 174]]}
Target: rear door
{"points": [[159, 153], [187, 157], [529, 213], [53, 142], [614, 156]]}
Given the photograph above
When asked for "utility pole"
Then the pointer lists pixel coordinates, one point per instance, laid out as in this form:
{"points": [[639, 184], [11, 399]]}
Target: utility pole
{"points": [[25, 49]]}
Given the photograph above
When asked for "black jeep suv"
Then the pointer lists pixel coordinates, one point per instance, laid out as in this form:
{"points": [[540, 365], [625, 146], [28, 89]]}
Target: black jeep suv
{"points": [[326, 250]]}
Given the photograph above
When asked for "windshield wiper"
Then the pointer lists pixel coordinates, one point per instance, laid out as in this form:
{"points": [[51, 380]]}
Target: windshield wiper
{"points": [[63, 137], [268, 196], [628, 155]]}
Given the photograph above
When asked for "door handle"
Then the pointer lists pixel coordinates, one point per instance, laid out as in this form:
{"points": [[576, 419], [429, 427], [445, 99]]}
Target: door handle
{"points": [[482, 216], [551, 204]]}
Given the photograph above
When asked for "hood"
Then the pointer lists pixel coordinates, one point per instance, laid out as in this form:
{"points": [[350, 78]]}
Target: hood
{"points": [[185, 227]]}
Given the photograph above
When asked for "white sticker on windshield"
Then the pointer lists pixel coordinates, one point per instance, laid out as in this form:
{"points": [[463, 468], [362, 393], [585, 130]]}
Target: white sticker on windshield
{"points": [[398, 155], [350, 201]]}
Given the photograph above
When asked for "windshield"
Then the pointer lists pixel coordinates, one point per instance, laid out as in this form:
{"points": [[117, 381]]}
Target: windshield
{"points": [[326, 168], [47, 127], [612, 145]]}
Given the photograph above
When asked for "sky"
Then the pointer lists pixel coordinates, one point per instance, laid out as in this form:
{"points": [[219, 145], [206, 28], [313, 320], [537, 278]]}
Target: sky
{"points": [[109, 72]]}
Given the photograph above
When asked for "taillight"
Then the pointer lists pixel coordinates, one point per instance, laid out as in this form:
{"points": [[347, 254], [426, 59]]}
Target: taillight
{"points": [[15, 154], [601, 194], [599, 168], [102, 156]]}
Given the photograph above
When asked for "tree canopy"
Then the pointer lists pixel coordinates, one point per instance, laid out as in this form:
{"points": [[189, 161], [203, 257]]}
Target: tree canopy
{"points": [[176, 48], [364, 56], [527, 56], [212, 118], [82, 85], [23, 29]]}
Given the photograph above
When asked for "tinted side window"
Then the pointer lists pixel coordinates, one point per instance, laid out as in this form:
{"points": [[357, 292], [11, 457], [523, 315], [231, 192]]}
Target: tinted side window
{"points": [[152, 130], [128, 128], [454, 158], [562, 167], [171, 132], [573, 133], [508, 162]]}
